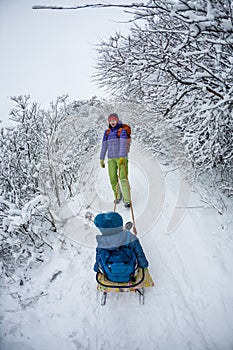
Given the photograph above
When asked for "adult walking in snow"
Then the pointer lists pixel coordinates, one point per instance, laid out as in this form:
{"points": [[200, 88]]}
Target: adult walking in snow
{"points": [[115, 144]]}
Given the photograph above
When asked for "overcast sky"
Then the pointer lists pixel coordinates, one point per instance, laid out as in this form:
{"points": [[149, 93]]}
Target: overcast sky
{"points": [[47, 53]]}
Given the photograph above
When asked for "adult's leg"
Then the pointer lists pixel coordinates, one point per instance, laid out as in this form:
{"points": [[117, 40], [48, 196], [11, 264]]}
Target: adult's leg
{"points": [[124, 181], [113, 176]]}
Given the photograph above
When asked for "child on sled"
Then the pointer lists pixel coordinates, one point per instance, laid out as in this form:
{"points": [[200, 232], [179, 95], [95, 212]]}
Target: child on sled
{"points": [[119, 251]]}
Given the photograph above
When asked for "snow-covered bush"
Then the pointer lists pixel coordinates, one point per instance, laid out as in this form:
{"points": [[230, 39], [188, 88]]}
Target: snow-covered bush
{"points": [[26, 221], [25, 235]]}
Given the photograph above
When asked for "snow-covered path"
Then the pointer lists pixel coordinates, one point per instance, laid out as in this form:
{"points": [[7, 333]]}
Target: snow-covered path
{"points": [[191, 305]]}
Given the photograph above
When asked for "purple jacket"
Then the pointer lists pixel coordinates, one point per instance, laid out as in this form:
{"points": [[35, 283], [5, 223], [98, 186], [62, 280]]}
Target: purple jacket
{"points": [[116, 146]]}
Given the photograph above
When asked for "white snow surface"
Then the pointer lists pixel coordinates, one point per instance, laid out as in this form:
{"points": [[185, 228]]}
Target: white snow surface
{"points": [[189, 250]]}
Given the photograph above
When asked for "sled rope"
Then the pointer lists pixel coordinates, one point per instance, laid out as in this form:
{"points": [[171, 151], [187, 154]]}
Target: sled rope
{"points": [[114, 209], [117, 186], [131, 204]]}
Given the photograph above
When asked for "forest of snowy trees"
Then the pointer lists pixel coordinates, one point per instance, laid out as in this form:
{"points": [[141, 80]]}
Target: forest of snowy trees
{"points": [[174, 77], [178, 61]]}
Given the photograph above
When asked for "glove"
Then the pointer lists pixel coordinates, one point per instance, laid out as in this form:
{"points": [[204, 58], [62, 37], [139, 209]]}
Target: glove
{"points": [[102, 163], [121, 161]]}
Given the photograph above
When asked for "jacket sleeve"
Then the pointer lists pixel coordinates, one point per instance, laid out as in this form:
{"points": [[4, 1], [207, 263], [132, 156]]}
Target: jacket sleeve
{"points": [[104, 146], [97, 260], [123, 144], [142, 260]]}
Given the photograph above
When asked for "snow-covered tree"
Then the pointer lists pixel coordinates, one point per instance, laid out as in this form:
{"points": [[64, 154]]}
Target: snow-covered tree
{"points": [[25, 220]]}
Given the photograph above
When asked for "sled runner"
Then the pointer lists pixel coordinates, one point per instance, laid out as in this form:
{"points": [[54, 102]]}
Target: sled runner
{"points": [[142, 279]]}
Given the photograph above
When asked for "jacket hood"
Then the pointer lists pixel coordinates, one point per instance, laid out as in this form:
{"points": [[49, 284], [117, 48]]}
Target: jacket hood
{"points": [[115, 240]]}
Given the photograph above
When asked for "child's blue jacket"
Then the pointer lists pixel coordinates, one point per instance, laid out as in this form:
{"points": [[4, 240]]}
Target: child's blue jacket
{"points": [[114, 240]]}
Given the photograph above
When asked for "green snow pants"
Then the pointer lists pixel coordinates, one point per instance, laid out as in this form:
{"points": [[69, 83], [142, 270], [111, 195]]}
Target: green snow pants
{"points": [[113, 172]]}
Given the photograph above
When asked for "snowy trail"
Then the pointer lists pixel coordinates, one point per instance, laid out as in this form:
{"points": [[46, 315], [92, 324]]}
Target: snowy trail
{"points": [[191, 305], [147, 187]]}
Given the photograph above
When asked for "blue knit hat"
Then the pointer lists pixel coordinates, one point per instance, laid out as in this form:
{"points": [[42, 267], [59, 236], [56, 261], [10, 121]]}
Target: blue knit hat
{"points": [[109, 223]]}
